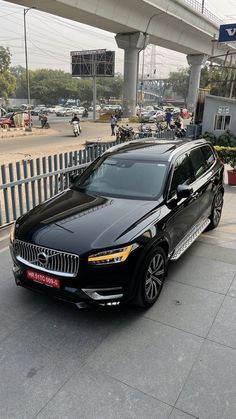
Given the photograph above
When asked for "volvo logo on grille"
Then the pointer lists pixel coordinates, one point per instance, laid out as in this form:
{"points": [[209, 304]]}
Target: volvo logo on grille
{"points": [[43, 258]]}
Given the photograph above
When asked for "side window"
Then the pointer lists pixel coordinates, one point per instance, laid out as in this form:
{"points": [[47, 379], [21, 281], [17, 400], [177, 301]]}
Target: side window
{"points": [[182, 175], [222, 122], [208, 155], [198, 162]]}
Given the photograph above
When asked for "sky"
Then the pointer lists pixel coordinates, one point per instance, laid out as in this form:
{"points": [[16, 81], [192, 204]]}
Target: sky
{"points": [[51, 38]]}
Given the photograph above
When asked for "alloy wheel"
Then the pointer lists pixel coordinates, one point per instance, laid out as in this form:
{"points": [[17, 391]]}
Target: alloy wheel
{"points": [[154, 277], [218, 204]]}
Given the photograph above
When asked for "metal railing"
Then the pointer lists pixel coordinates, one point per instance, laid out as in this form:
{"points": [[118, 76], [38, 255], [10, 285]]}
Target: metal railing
{"points": [[27, 183], [198, 6]]}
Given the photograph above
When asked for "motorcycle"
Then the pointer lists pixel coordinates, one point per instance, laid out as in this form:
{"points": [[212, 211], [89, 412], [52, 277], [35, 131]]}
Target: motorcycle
{"points": [[180, 132], [124, 133], [144, 128], [161, 126], [76, 128]]}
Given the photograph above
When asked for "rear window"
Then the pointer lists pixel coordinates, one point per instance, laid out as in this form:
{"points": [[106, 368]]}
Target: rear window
{"points": [[198, 162], [208, 155]]}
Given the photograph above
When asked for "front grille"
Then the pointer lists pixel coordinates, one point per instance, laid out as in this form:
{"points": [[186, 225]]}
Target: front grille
{"points": [[47, 260]]}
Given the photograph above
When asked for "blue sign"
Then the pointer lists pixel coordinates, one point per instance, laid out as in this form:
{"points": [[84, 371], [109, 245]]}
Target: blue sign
{"points": [[227, 33]]}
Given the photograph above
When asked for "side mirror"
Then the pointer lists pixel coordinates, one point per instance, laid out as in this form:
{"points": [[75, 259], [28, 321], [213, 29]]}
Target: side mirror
{"points": [[184, 191]]}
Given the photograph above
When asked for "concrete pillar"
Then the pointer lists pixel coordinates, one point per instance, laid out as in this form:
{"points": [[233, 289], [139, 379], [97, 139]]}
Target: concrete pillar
{"points": [[132, 43], [195, 62]]}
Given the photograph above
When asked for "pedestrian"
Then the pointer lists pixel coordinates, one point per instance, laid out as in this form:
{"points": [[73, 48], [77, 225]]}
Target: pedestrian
{"points": [[168, 117], [113, 122], [179, 122], [44, 120]]}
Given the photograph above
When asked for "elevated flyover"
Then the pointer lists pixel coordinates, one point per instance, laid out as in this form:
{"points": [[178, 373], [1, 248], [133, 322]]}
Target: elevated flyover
{"points": [[171, 24]]}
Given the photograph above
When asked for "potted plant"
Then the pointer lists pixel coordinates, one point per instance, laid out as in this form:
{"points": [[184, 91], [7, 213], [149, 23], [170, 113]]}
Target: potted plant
{"points": [[232, 172]]}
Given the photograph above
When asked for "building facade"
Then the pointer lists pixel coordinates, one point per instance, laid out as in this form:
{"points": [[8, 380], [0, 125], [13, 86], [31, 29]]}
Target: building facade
{"points": [[219, 115]]}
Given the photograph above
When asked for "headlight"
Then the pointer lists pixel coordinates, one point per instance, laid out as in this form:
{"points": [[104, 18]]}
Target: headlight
{"points": [[12, 232], [112, 256]]}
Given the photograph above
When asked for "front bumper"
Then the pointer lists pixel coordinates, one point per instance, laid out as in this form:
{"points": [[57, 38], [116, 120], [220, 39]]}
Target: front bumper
{"points": [[71, 294], [93, 285]]}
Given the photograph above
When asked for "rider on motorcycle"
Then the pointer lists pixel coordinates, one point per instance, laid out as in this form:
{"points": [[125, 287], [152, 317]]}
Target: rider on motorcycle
{"points": [[75, 118]]}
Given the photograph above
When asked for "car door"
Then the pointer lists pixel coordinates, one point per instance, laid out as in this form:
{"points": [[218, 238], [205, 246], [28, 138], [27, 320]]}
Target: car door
{"points": [[202, 162], [185, 212]]}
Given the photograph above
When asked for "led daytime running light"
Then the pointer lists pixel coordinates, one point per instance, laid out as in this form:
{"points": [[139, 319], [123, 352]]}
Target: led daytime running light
{"points": [[119, 255]]}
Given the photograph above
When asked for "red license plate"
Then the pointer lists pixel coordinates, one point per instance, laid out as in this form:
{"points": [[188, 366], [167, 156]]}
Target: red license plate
{"points": [[43, 279]]}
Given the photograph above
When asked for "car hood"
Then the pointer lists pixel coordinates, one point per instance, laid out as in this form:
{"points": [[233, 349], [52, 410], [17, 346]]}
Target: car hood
{"points": [[76, 222]]}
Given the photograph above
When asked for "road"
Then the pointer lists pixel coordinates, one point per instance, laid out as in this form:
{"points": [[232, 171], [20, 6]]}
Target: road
{"points": [[59, 139]]}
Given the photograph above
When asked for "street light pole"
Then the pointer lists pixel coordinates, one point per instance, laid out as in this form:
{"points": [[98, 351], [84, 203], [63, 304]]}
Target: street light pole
{"points": [[26, 67], [146, 42]]}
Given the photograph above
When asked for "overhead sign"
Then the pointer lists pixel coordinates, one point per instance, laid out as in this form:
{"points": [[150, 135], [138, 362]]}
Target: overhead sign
{"points": [[92, 63], [227, 33]]}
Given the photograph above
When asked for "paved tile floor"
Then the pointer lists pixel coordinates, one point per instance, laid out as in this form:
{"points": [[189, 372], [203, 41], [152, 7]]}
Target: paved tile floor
{"points": [[176, 360]]}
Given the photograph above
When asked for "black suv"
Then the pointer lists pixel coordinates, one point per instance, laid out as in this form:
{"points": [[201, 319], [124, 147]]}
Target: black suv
{"points": [[109, 238]]}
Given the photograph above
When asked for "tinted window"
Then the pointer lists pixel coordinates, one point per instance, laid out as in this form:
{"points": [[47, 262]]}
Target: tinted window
{"points": [[208, 155], [198, 162], [183, 174], [125, 178]]}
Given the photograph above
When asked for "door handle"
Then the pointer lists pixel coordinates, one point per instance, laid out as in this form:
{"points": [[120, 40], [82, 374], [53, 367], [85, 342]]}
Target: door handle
{"points": [[215, 180]]}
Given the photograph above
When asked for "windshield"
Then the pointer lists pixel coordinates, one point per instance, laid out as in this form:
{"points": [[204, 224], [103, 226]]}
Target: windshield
{"points": [[123, 178]]}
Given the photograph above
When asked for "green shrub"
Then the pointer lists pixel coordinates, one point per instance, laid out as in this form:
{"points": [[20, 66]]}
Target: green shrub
{"points": [[210, 137], [227, 139], [227, 155]]}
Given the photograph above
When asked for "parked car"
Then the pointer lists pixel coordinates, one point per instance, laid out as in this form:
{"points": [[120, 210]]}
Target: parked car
{"points": [[158, 116], [144, 110], [78, 110], [98, 108], [152, 116], [64, 112], [109, 238], [36, 111], [8, 119]]}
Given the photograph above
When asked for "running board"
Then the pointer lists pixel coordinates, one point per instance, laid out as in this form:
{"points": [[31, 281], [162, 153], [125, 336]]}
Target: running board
{"points": [[190, 237]]}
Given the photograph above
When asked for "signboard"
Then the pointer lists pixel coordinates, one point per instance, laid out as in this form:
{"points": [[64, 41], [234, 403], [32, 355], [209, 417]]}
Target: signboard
{"points": [[100, 63], [227, 33], [223, 109]]}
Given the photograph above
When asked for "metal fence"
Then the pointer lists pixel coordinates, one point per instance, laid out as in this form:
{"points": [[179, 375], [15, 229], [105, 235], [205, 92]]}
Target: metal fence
{"points": [[201, 9], [27, 183]]}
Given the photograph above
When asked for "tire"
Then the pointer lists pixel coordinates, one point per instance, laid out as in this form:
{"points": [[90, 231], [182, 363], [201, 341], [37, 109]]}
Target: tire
{"points": [[151, 278], [216, 211]]}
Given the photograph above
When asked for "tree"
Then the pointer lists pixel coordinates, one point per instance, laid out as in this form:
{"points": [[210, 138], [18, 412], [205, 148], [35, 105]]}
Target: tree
{"points": [[179, 82], [50, 86], [218, 80], [5, 59], [7, 80], [17, 71]]}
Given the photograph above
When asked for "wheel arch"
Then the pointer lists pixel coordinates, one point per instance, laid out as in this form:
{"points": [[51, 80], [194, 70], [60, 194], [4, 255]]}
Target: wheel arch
{"points": [[161, 242]]}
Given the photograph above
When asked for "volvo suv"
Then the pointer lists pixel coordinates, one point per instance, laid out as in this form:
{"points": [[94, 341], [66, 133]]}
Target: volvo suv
{"points": [[109, 238]]}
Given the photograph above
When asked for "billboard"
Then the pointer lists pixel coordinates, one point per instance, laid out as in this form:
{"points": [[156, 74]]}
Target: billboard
{"points": [[227, 33], [99, 62]]}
